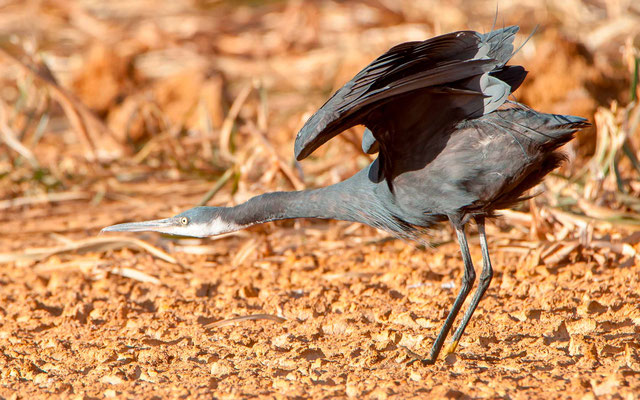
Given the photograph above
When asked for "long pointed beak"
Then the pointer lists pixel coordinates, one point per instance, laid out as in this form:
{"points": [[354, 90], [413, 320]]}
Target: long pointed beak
{"points": [[156, 225]]}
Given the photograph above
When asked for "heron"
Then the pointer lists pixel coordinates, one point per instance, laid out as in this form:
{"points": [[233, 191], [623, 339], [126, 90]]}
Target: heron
{"points": [[452, 146]]}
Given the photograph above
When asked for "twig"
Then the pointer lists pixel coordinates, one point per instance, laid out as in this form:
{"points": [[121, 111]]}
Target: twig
{"points": [[9, 137], [92, 244], [245, 251], [231, 321], [216, 187], [207, 129], [558, 252], [227, 125], [42, 199], [77, 113], [135, 275], [84, 265], [297, 183]]}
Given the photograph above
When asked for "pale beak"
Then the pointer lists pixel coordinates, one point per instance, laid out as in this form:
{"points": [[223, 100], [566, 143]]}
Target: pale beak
{"points": [[157, 225]]}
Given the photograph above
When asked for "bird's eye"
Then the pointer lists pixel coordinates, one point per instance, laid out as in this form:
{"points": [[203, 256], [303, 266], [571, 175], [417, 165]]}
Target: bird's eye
{"points": [[184, 220]]}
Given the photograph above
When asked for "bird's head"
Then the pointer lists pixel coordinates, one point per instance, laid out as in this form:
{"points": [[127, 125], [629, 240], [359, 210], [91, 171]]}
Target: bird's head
{"points": [[196, 222]]}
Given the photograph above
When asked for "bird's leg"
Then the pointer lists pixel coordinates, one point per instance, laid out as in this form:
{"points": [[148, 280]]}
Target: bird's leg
{"points": [[483, 284], [467, 281]]}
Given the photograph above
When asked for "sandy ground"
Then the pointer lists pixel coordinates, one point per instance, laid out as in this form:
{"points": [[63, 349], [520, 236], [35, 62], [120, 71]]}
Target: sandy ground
{"points": [[335, 311]]}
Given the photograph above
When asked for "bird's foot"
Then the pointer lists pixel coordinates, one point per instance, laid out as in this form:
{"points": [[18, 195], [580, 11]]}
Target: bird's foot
{"points": [[412, 355], [417, 357]]}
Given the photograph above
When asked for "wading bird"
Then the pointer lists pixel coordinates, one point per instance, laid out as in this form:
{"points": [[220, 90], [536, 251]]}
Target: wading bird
{"points": [[451, 147]]}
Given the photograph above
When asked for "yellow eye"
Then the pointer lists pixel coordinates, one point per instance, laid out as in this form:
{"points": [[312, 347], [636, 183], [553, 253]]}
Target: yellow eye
{"points": [[184, 220]]}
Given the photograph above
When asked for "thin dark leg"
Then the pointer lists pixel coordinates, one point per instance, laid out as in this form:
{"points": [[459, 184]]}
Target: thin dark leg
{"points": [[483, 284], [467, 281]]}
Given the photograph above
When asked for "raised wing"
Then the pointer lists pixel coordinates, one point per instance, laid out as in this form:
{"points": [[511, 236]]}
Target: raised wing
{"points": [[403, 94]]}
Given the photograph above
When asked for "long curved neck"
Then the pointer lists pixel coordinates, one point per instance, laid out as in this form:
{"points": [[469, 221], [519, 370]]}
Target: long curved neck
{"points": [[320, 203], [350, 200]]}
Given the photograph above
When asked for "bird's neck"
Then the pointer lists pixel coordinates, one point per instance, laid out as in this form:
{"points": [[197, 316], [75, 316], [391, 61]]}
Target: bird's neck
{"points": [[348, 201]]}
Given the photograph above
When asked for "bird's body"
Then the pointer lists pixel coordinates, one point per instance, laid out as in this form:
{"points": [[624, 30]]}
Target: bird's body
{"points": [[451, 147], [465, 176]]}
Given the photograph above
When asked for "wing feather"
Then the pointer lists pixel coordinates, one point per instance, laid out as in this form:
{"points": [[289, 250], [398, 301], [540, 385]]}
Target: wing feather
{"points": [[460, 74]]}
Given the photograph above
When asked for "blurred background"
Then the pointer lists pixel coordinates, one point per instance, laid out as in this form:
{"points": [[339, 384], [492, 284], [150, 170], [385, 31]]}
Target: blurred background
{"points": [[105, 101], [114, 111]]}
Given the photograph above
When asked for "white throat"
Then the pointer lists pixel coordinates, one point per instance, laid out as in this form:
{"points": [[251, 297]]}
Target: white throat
{"points": [[214, 227], [218, 226]]}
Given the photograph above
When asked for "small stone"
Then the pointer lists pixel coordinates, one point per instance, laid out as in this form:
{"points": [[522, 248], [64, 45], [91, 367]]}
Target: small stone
{"points": [[282, 342], [352, 390], [112, 379], [221, 368]]}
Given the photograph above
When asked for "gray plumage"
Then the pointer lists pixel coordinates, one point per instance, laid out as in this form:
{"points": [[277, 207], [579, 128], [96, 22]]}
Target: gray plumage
{"points": [[451, 147]]}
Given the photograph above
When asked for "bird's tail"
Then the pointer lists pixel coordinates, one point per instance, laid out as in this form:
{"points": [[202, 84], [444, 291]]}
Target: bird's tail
{"points": [[549, 131], [558, 129]]}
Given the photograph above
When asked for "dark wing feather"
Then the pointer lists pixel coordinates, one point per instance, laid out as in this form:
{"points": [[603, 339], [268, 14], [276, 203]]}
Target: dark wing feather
{"points": [[337, 116], [409, 63], [512, 75], [414, 90]]}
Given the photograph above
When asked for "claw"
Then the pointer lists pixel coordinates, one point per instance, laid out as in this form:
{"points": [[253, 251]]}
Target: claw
{"points": [[415, 357]]}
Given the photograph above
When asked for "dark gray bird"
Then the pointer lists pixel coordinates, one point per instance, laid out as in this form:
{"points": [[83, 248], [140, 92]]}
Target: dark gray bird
{"points": [[451, 147]]}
